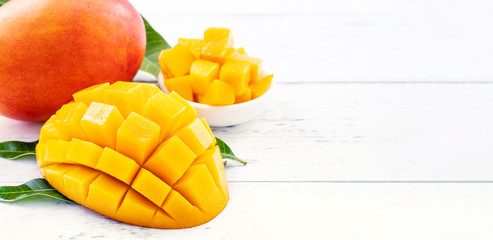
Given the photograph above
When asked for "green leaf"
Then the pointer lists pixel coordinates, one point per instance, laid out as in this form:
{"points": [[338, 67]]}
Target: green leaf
{"points": [[155, 44], [35, 187], [17, 149], [3, 2], [227, 153]]}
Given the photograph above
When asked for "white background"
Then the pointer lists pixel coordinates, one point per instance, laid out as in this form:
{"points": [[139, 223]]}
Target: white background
{"points": [[380, 126]]}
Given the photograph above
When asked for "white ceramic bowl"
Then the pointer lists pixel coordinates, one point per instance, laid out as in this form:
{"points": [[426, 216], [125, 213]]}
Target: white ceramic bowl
{"points": [[223, 116]]}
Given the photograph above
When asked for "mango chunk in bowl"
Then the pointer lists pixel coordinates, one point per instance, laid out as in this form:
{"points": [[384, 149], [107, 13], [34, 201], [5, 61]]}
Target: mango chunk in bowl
{"points": [[224, 84], [229, 115]]}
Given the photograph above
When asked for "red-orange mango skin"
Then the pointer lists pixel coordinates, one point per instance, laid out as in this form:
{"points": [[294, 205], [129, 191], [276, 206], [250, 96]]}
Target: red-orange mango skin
{"points": [[50, 49]]}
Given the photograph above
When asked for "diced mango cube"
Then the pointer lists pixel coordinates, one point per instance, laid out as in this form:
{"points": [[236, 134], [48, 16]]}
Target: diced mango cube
{"points": [[84, 152], [167, 112], [150, 186], [56, 151], [198, 187], [40, 155], [209, 129], [255, 65], [214, 162], [164, 69], [196, 136], [177, 60], [219, 93], [217, 41], [68, 118], [135, 204], [137, 137], [77, 181], [90, 94], [232, 52], [100, 123], [126, 96], [215, 34], [106, 194], [164, 220], [189, 113], [180, 209], [50, 131], [203, 73], [215, 52], [170, 160], [149, 90], [117, 165], [260, 87], [55, 173], [194, 45], [182, 85], [245, 97], [236, 73]]}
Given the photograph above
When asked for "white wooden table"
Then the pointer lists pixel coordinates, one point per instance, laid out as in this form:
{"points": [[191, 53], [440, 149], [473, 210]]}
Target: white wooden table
{"points": [[380, 127]]}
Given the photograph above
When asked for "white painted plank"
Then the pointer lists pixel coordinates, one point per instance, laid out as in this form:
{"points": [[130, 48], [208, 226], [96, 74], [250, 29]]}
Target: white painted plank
{"points": [[368, 132], [320, 132], [346, 40], [288, 211]]}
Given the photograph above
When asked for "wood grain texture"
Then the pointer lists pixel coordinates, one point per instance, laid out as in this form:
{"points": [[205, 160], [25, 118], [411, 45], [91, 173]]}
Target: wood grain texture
{"points": [[323, 132]]}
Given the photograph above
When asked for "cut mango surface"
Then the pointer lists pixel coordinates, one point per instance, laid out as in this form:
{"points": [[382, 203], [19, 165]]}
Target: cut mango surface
{"points": [[136, 155], [203, 61], [219, 93]]}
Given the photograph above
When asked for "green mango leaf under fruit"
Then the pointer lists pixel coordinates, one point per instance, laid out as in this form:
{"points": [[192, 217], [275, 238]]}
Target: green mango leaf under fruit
{"points": [[35, 187], [17, 149]]}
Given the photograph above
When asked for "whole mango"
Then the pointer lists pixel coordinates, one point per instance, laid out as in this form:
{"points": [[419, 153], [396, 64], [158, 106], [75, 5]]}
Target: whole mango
{"points": [[135, 154], [50, 49]]}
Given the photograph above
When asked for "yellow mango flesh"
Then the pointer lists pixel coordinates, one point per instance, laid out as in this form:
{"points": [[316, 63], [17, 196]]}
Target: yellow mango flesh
{"points": [[216, 42], [194, 45], [177, 60], [219, 93], [202, 73], [245, 96], [215, 34], [214, 58], [158, 168], [68, 119], [260, 87], [48, 130], [126, 96], [170, 112], [236, 73], [137, 137], [182, 85], [255, 64], [101, 123], [91, 94]]}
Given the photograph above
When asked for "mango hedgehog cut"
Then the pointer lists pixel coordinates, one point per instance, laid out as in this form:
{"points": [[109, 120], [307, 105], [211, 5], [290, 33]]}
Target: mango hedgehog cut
{"points": [[135, 154]]}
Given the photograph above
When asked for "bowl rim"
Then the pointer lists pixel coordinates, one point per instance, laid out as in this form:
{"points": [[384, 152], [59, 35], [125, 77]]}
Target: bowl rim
{"points": [[161, 85]]}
